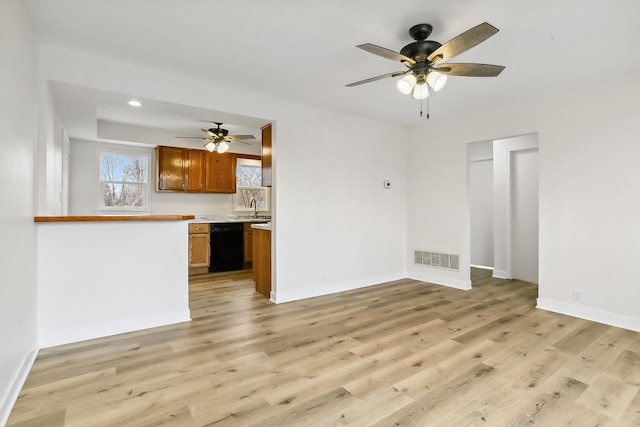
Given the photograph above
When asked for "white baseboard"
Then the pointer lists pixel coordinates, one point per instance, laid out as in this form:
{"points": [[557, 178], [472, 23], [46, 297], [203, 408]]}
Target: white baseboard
{"points": [[14, 391], [501, 274], [483, 267], [332, 288], [87, 332], [592, 314], [451, 282]]}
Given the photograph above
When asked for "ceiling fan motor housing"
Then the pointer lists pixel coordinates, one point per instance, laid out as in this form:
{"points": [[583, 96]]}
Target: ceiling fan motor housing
{"points": [[420, 50], [221, 133]]}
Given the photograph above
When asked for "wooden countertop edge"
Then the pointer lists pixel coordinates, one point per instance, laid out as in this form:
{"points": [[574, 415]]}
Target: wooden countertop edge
{"points": [[113, 218]]}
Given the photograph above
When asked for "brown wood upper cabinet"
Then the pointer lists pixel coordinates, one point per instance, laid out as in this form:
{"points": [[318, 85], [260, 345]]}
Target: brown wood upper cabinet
{"points": [[170, 167], [197, 171], [221, 172], [266, 156]]}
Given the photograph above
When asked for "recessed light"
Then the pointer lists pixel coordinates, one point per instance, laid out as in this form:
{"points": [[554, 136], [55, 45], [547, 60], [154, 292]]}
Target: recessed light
{"points": [[135, 103]]}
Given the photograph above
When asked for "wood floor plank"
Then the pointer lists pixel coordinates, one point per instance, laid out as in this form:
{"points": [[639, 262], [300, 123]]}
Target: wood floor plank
{"points": [[632, 413], [404, 368], [608, 396], [367, 411], [428, 406], [401, 353], [433, 376], [546, 407]]}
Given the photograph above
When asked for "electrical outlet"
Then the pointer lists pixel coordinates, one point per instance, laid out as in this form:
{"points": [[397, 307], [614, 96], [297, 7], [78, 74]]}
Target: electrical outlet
{"points": [[577, 295]]}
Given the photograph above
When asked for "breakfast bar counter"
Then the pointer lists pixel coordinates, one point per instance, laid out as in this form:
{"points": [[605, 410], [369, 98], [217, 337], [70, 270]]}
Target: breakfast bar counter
{"points": [[109, 274], [112, 218]]}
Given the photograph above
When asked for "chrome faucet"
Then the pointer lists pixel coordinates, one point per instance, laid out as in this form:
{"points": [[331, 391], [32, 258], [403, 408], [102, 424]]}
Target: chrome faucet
{"points": [[254, 204]]}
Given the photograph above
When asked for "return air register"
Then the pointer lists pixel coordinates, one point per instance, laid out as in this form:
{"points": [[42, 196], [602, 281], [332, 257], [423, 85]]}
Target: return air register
{"points": [[436, 259]]}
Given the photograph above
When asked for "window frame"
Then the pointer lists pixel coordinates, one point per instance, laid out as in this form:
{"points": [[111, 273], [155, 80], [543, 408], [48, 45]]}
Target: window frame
{"points": [[145, 185], [241, 161]]}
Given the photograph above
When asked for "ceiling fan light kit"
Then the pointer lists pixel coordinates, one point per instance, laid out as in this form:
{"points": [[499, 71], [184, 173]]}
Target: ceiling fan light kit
{"points": [[406, 84], [436, 80], [222, 147], [420, 90], [425, 60]]}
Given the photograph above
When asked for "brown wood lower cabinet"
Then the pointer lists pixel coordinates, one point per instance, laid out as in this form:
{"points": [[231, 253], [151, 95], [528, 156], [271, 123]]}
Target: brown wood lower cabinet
{"points": [[262, 261], [248, 243], [199, 248]]}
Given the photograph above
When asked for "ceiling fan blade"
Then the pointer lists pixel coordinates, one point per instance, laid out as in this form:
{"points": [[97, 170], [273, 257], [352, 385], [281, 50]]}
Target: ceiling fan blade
{"points": [[470, 70], [192, 137], [241, 142], [239, 137], [373, 79], [208, 132], [462, 42], [386, 53]]}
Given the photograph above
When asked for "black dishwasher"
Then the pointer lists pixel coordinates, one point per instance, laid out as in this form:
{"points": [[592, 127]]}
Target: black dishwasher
{"points": [[227, 247]]}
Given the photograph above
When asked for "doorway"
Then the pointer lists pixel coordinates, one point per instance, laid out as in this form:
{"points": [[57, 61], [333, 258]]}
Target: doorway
{"points": [[503, 206]]}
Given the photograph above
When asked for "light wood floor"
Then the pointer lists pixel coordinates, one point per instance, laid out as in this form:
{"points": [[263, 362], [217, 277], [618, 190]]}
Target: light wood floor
{"points": [[402, 353]]}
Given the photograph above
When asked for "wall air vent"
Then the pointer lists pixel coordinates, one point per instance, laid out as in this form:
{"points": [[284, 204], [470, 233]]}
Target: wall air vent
{"points": [[436, 259]]}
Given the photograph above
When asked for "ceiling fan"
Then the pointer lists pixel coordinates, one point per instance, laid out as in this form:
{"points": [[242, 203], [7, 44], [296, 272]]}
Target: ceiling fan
{"points": [[425, 60], [218, 139]]}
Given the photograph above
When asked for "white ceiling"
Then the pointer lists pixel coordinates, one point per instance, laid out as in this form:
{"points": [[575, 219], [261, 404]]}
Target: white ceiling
{"points": [[305, 51], [92, 114]]}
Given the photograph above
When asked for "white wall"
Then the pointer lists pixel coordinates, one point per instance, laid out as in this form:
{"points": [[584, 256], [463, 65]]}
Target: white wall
{"points": [[335, 226], [18, 124], [481, 202], [589, 181], [50, 156], [104, 278], [504, 152], [84, 185], [524, 215]]}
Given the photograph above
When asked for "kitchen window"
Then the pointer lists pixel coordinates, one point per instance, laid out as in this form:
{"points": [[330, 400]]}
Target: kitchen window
{"points": [[248, 186], [124, 182]]}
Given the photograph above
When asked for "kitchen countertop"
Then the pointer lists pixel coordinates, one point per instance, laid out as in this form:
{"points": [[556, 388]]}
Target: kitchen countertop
{"points": [[226, 219], [112, 218], [266, 226]]}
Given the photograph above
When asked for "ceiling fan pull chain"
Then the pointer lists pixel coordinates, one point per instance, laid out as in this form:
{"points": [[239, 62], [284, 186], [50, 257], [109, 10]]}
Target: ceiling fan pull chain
{"points": [[427, 108], [421, 108]]}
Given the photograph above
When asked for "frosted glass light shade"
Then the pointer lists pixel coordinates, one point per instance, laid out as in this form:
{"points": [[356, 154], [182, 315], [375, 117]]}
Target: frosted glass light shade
{"points": [[406, 84], [210, 146], [436, 80], [222, 147], [420, 91]]}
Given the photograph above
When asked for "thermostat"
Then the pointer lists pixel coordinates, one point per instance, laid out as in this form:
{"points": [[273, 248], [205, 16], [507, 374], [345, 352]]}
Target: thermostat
{"points": [[387, 184]]}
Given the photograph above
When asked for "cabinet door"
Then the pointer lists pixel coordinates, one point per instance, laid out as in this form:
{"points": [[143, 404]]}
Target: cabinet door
{"points": [[220, 173], [170, 166], [199, 250], [196, 170], [266, 156], [262, 261], [248, 247]]}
